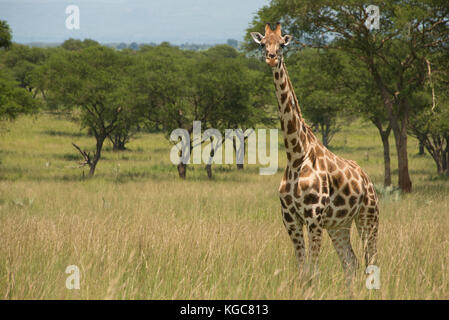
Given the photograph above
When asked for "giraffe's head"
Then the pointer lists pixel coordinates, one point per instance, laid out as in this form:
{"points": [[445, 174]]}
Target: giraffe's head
{"points": [[272, 43]]}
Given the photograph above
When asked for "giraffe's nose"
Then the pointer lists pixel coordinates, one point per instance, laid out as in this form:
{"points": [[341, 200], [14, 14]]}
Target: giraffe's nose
{"points": [[271, 55]]}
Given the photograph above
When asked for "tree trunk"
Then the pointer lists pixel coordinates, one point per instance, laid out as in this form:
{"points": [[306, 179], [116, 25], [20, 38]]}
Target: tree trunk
{"points": [[387, 167], [209, 171], [99, 147], [182, 170], [384, 135], [234, 145], [324, 135], [421, 147], [399, 127], [446, 157], [118, 143], [404, 180], [211, 157]]}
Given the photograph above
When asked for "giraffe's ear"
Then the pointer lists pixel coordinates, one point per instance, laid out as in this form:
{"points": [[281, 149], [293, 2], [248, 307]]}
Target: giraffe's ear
{"points": [[287, 39], [257, 37]]}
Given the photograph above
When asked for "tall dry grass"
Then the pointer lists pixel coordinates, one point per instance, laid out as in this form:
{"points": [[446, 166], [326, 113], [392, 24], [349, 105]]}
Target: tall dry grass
{"points": [[138, 232]]}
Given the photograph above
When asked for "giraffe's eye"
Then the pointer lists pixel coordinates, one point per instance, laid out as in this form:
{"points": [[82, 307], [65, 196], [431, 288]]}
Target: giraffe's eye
{"points": [[262, 45], [282, 45]]}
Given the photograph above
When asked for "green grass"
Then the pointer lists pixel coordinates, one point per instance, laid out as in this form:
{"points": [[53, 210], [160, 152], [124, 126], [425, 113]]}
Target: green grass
{"points": [[137, 231]]}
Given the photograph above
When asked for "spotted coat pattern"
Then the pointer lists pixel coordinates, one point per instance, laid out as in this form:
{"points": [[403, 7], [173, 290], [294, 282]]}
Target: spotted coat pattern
{"points": [[321, 190]]}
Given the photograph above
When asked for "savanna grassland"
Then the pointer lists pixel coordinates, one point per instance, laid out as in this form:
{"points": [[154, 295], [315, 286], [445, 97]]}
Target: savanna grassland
{"points": [[136, 231]]}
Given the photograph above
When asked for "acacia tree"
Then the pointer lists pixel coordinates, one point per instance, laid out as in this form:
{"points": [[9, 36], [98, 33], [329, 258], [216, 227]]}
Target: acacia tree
{"points": [[394, 55], [5, 34], [159, 88], [14, 100], [94, 81], [227, 86], [22, 60], [430, 121], [321, 93]]}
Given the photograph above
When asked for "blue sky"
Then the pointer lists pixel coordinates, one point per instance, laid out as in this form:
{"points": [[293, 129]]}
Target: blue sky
{"points": [[176, 21]]}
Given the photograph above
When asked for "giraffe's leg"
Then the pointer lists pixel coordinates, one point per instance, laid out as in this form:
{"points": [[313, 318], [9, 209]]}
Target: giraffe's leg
{"points": [[295, 231], [367, 223], [315, 232], [342, 244]]}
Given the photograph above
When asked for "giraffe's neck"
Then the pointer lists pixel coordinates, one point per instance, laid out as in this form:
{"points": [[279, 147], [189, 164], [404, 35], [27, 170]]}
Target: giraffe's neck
{"points": [[297, 136]]}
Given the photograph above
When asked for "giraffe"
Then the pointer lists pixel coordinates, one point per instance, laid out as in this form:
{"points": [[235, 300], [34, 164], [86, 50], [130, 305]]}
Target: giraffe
{"points": [[319, 190]]}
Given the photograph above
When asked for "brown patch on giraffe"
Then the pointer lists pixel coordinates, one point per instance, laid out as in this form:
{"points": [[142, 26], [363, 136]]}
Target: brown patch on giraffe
{"points": [[282, 73], [348, 173], [337, 180], [371, 210], [286, 143], [311, 198], [318, 151], [288, 199], [289, 156], [297, 148], [330, 165], [341, 213], [284, 97], [339, 201], [293, 141], [355, 186], [291, 126], [287, 187], [308, 213], [304, 184], [346, 190], [292, 210], [296, 191], [283, 85], [329, 212], [288, 217], [282, 125], [298, 162], [295, 175], [289, 175], [352, 201], [306, 171], [276, 75]]}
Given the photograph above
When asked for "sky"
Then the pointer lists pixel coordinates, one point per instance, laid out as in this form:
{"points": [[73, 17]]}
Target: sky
{"points": [[175, 21]]}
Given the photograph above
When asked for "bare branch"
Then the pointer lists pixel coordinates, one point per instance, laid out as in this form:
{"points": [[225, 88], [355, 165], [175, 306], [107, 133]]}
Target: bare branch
{"points": [[86, 156]]}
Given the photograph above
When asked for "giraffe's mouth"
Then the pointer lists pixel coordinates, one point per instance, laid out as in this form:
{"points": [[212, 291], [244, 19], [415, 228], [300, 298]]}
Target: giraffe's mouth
{"points": [[272, 62]]}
